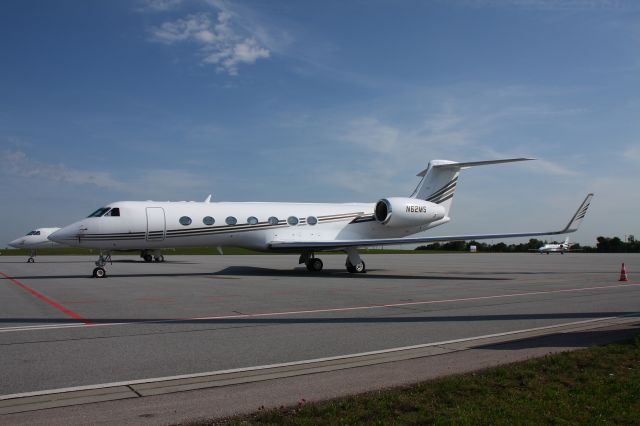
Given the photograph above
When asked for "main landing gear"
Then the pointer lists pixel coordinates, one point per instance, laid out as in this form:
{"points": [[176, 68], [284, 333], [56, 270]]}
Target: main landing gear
{"points": [[99, 271], [354, 263], [146, 255], [313, 263]]}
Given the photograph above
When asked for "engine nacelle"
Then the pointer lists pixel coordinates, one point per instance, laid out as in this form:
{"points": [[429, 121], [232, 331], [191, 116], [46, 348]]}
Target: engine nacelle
{"points": [[396, 211]]}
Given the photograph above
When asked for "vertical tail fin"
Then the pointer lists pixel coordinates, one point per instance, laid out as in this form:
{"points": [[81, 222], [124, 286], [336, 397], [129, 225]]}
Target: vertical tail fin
{"points": [[440, 178]]}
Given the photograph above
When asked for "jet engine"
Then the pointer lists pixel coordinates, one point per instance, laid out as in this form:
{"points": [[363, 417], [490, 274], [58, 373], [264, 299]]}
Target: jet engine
{"points": [[398, 212]]}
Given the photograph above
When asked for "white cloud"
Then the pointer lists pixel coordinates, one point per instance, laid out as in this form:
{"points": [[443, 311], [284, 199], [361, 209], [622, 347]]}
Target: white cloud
{"points": [[16, 163], [632, 154], [372, 134], [159, 5], [194, 27], [549, 5], [220, 43]]}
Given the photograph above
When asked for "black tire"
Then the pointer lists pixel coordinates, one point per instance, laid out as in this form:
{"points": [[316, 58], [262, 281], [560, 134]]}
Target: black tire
{"points": [[148, 258], [99, 273], [159, 258], [315, 265], [30, 260], [360, 268]]}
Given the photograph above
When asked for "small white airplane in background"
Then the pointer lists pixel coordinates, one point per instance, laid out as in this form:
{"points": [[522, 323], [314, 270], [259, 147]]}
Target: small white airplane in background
{"points": [[34, 240], [304, 228], [39, 238], [561, 248]]}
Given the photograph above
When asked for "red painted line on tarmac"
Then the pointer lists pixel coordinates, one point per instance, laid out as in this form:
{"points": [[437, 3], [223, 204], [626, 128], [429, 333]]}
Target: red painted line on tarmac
{"points": [[340, 309], [44, 298]]}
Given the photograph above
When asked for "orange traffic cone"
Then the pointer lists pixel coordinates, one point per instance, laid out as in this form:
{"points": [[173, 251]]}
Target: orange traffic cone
{"points": [[623, 274]]}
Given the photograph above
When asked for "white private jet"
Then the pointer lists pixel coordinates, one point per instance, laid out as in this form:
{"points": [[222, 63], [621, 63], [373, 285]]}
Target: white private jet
{"points": [[561, 248], [39, 238], [34, 240], [304, 228]]}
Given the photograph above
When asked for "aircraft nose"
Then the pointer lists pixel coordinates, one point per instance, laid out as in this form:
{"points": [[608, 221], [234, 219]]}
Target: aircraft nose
{"points": [[66, 235], [17, 242]]}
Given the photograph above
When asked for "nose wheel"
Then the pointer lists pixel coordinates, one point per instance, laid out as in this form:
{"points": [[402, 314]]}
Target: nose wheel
{"points": [[99, 271]]}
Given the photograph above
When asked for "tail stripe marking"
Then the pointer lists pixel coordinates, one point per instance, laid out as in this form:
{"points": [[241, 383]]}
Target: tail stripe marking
{"points": [[446, 187]]}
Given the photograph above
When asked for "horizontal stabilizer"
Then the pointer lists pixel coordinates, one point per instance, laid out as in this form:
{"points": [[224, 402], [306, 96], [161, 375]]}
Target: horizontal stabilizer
{"points": [[442, 164]]}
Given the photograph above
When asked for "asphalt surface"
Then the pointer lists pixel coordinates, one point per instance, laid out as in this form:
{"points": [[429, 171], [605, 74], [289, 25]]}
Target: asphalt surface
{"points": [[59, 328]]}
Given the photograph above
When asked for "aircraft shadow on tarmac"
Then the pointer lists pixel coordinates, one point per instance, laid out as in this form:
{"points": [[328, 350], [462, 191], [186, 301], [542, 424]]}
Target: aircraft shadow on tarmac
{"points": [[575, 339], [249, 320], [250, 271]]}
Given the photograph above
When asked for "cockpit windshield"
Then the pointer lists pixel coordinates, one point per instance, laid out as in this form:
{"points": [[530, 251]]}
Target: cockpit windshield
{"points": [[34, 233], [106, 211], [101, 211], [113, 212]]}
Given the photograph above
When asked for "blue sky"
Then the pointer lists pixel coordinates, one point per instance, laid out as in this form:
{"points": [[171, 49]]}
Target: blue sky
{"points": [[321, 101]]}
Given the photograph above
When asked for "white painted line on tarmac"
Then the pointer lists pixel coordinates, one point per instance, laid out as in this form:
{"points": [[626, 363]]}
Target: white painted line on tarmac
{"points": [[625, 318], [311, 311]]}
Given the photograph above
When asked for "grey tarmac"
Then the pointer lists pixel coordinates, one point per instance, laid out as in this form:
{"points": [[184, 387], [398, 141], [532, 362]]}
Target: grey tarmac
{"points": [[207, 336]]}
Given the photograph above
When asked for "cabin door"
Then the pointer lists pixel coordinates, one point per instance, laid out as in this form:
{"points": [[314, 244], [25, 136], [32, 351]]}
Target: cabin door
{"points": [[155, 224]]}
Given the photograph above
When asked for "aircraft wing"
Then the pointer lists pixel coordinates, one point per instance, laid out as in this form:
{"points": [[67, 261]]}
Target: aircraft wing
{"points": [[572, 226]]}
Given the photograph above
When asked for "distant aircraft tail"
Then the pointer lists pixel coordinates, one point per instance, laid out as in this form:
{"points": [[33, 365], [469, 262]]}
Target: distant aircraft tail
{"points": [[440, 178]]}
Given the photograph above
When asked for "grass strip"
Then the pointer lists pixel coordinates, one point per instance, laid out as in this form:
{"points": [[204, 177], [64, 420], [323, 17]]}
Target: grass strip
{"points": [[593, 386]]}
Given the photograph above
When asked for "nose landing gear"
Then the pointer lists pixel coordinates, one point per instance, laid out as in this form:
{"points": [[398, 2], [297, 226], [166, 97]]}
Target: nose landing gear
{"points": [[99, 271]]}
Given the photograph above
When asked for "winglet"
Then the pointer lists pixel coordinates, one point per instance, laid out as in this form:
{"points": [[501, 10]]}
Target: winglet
{"points": [[575, 221]]}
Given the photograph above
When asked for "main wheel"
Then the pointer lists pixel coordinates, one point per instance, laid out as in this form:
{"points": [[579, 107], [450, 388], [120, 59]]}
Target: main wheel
{"points": [[160, 258], [99, 273], [30, 260], [314, 265], [148, 258], [359, 268]]}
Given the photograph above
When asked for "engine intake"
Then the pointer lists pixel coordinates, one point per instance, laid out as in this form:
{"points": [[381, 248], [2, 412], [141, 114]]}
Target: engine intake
{"points": [[396, 211]]}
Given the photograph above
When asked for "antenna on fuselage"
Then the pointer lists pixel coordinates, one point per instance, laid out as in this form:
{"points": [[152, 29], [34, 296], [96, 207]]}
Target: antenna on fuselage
{"points": [[208, 199]]}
